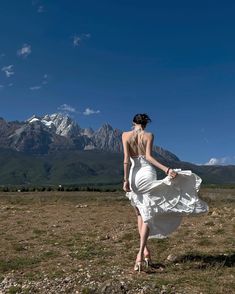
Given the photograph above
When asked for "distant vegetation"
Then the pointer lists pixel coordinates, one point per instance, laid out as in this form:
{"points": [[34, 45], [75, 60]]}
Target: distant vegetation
{"points": [[67, 188], [86, 187], [79, 168]]}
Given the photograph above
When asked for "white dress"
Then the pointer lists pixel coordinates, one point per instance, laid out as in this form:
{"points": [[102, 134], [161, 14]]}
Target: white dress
{"points": [[163, 203]]}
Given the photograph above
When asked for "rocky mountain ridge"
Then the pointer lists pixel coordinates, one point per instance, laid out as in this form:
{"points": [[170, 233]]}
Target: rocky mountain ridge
{"points": [[54, 149], [58, 131]]}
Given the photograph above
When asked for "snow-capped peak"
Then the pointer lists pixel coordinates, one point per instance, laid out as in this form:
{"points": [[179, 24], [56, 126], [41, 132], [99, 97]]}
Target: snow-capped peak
{"points": [[33, 119], [62, 123]]}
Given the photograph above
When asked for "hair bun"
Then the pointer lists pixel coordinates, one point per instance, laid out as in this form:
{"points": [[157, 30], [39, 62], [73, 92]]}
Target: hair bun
{"points": [[142, 119]]}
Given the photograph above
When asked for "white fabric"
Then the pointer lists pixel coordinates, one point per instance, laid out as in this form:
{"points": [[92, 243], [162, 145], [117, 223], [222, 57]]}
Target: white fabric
{"points": [[163, 203]]}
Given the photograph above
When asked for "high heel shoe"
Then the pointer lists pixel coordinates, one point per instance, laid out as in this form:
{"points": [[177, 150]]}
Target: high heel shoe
{"points": [[148, 261], [138, 266]]}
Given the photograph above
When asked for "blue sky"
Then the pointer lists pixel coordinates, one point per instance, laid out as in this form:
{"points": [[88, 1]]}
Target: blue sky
{"points": [[104, 61]]}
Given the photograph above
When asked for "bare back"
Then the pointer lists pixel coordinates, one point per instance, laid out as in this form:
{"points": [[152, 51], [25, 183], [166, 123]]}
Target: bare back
{"points": [[136, 141]]}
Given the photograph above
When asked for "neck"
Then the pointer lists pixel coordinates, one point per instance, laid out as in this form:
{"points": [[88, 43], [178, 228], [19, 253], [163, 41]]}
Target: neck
{"points": [[138, 128]]}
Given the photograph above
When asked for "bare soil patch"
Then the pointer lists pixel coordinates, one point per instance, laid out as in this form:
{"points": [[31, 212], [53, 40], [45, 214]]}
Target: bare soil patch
{"points": [[86, 242]]}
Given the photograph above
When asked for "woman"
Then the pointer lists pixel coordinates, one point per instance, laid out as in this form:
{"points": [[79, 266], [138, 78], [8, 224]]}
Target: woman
{"points": [[159, 204]]}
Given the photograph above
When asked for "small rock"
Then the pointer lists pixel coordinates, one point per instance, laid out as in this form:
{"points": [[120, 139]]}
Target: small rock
{"points": [[81, 206], [214, 213], [171, 257], [67, 279]]}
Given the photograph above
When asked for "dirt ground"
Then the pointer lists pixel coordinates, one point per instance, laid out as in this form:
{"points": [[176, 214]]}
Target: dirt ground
{"points": [[86, 242]]}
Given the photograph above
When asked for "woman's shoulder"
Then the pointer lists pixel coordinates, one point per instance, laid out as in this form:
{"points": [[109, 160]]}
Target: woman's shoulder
{"points": [[125, 133], [149, 134]]}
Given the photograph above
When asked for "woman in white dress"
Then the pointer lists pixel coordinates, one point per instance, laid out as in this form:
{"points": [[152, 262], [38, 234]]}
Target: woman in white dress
{"points": [[159, 204]]}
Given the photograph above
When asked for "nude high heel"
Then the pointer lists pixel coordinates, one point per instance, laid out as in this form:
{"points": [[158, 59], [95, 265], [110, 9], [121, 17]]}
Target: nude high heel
{"points": [[148, 261], [138, 266]]}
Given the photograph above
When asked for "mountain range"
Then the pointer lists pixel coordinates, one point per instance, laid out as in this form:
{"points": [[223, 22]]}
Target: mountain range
{"points": [[54, 149]]}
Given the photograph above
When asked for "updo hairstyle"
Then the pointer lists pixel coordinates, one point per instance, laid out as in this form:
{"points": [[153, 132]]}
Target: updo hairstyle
{"points": [[141, 119]]}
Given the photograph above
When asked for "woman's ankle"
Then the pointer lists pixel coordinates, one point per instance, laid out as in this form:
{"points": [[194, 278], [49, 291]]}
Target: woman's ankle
{"points": [[147, 253], [139, 256]]}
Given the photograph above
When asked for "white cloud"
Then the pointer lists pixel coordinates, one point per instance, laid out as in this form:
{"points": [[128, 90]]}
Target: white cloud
{"points": [[89, 111], [35, 88], [67, 108], [10, 84], [24, 51], [227, 160], [86, 36], [77, 40], [1, 86], [8, 70]]}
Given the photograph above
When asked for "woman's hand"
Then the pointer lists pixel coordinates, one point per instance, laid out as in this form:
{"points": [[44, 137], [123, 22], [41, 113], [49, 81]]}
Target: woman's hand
{"points": [[172, 173], [126, 186]]}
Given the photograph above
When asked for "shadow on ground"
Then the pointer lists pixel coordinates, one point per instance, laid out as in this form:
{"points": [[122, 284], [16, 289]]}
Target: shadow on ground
{"points": [[224, 260]]}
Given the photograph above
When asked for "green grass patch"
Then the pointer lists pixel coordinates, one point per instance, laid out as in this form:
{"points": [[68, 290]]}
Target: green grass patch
{"points": [[204, 242], [14, 290], [219, 231], [39, 232], [18, 263], [90, 251], [18, 247]]}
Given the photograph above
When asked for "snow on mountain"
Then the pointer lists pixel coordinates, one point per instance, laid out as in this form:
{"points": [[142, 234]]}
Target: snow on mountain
{"points": [[58, 131], [62, 124], [87, 132]]}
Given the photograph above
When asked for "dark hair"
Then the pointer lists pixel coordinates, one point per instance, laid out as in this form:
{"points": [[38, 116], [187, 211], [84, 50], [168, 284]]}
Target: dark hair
{"points": [[141, 119]]}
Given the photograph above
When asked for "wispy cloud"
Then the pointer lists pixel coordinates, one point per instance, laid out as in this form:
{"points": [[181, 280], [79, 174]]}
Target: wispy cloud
{"points": [[8, 85], [227, 160], [78, 39], [72, 110], [205, 138], [89, 111], [67, 108], [44, 82], [40, 9], [24, 51], [35, 88], [86, 36], [45, 79], [8, 70], [2, 55], [39, 5]]}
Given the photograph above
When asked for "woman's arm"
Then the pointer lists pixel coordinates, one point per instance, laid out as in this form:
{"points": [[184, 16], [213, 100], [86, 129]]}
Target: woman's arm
{"points": [[152, 160], [126, 163]]}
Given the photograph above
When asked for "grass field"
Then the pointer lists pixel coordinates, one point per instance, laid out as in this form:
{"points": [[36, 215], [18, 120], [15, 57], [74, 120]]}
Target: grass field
{"points": [[86, 242]]}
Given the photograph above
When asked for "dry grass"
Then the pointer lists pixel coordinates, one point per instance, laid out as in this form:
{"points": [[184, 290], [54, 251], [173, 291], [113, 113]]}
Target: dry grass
{"points": [[93, 236]]}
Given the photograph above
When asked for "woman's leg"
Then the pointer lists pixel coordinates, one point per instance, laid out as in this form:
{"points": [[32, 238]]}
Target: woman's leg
{"points": [[140, 224], [143, 240]]}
